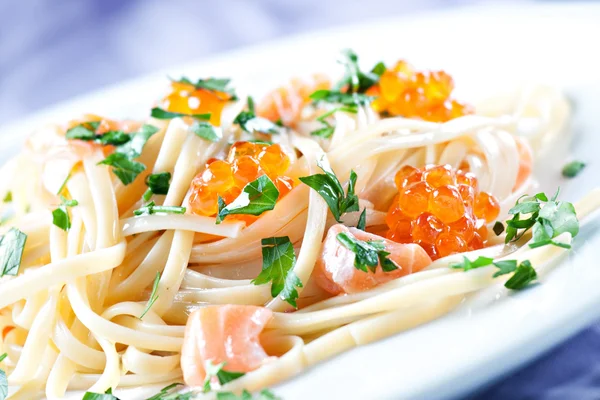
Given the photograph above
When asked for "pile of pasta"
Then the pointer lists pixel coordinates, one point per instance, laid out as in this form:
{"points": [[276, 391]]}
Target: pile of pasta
{"points": [[101, 299]]}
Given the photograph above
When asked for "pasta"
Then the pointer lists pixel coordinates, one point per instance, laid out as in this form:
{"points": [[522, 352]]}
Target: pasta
{"points": [[306, 226]]}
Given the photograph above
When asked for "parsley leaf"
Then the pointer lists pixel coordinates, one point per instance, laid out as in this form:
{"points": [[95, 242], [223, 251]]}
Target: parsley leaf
{"points": [[134, 147], [60, 216], [165, 395], [278, 267], [212, 84], [330, 188], [367, 254], [356, 80], [573, 169], [505, 267], [152, 208], [206, 131], [264, 394], [337, 97], [379, 68], [99, 396], [7, 197], [498, 228], [87, 132], [218, 372], [362, 220], [328, 129], [467, 264], [257, 197], [157, 184], [159, 113], [548, 218], [249, 122], [524, 274], [153, 295], [11, 251]]}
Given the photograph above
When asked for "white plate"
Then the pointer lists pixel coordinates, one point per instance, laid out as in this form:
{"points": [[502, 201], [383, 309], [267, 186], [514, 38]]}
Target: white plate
{"points": [[484, 49]]}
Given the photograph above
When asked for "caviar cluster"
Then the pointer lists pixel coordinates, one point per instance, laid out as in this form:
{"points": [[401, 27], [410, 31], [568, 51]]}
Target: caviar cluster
{"points": [[187, 99], [245, 162], [438, 208], [426, 95]]}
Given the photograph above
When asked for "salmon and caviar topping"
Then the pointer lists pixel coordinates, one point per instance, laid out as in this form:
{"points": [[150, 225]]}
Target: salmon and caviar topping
{"points": [[201, 97], [336, 270], [245, 162], [224, 333], [285, 104], [427, 95], [440, 209]]}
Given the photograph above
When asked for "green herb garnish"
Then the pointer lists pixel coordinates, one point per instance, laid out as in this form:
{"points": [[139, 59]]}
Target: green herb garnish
{"points": [[354, 79], [498, 228], [257, 197], [264, 394], [206, 131], [249, 122], [278, 268], [152, 208], [218, 372], [157, 184], [60, 216], [159, 113], [362, 220], [7, 197], [547, 219], [3, 380], [367, 255], [12, 244], [212, 84], [337, 97], [153, 295], [165, 395], [330, 188], [573, 169], [524, 273], [327, 130], [100, 396]]}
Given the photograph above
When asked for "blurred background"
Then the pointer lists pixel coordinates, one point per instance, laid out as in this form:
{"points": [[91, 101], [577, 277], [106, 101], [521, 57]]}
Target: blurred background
{"points": [[53, 50]]}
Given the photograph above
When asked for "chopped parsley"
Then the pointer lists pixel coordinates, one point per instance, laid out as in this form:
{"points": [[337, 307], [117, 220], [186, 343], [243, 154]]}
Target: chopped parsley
{"points": [[498, 228], [249, 122], [153, 295], [367, 255], [362, 220], [87, 132], [278, 268], [547, 219], [337, 97], [160, 113], [524, 273], [217, 371], [330, 188], [213, 85], [167, 393], [355, 80], [7, 197], [327, 130], [157, 184], [60, 216], [257, 197], [573, 169], [206, 131], [122, 160], [152, 208], [12, 244], [264, 394], [100, 396]]}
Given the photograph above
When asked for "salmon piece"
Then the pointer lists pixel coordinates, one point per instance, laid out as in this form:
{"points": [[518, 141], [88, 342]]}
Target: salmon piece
{"points": [[286, 103], [525, 161], [335, 271], [224, 333]]}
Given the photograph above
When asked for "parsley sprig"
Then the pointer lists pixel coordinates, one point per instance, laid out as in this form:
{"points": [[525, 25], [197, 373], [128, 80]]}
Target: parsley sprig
{"points": [[12, 244], [327, 130], [160, 113], [157, 184], [330, 188], [524, 273], [217, 371], [167, 393], [547, 219], [60, 215], [367, 255], [355, 80], [251, 123], [87, 131], [337, 97], [100, 396], [152, 208], [278, 268], [257, 197]]}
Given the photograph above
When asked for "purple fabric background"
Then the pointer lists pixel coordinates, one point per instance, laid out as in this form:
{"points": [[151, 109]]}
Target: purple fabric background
{"points": [[53, 50]]}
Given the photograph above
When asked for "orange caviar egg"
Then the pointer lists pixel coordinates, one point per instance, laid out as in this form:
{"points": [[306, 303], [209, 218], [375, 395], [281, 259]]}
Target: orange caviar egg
{"points": [[425, 94], [245, 162], [187, 99], [441, 209]]}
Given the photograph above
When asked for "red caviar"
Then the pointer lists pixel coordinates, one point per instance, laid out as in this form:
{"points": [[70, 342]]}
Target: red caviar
{"points": [[438, 208], [245, 162], [409, 93], [187, 99]]}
